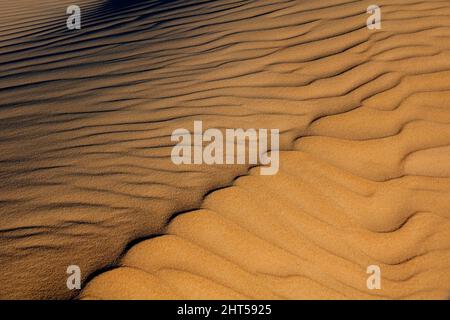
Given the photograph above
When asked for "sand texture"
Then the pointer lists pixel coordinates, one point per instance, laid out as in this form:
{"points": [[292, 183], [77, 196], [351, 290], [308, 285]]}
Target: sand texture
{"points": [[86, 118]]}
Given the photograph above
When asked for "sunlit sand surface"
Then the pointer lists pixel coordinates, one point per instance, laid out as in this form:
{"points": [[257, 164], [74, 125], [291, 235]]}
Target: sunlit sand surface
{"points": [[87, 179]]}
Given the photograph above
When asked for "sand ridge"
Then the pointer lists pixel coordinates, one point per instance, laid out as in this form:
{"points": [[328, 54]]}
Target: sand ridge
{"points": [[307, 233], [85, 126]]}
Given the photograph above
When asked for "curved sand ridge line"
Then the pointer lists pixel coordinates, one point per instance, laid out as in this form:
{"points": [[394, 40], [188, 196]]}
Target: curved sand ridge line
{"points": [[307, 233], [85, 134]]}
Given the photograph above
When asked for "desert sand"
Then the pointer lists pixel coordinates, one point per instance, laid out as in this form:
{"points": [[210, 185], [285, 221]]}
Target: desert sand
{"points": [[86, 118]]}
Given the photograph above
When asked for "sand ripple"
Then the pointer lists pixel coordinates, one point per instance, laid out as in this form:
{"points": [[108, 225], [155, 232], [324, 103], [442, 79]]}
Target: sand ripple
{"points": [[85, 124]]}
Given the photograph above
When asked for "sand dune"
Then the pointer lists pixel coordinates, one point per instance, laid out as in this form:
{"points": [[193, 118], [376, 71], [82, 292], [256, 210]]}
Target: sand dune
{"points": [[307, 233], [85, 123]]}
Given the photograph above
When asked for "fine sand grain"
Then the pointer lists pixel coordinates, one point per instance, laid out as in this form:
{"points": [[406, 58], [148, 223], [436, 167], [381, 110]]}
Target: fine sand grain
{"points": [[85, 123]]}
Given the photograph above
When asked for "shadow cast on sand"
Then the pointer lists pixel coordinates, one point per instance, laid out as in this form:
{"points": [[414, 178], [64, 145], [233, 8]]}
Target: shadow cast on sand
{"points": [[118, 8], [115, 5], [114, 10]]}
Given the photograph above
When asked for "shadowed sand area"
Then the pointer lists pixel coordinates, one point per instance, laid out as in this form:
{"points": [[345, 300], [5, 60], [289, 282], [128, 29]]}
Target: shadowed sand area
{"points": [[85, 124]]}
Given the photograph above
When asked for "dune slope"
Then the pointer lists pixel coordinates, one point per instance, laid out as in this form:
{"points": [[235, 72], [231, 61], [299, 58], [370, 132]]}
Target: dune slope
{"points": [[85, 127]]}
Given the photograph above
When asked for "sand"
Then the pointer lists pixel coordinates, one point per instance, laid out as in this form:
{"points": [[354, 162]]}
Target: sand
{"points": [[87, 179]]}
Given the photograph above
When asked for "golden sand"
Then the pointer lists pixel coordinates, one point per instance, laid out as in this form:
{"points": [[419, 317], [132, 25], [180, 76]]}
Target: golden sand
{"points": [[85, 124]]}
